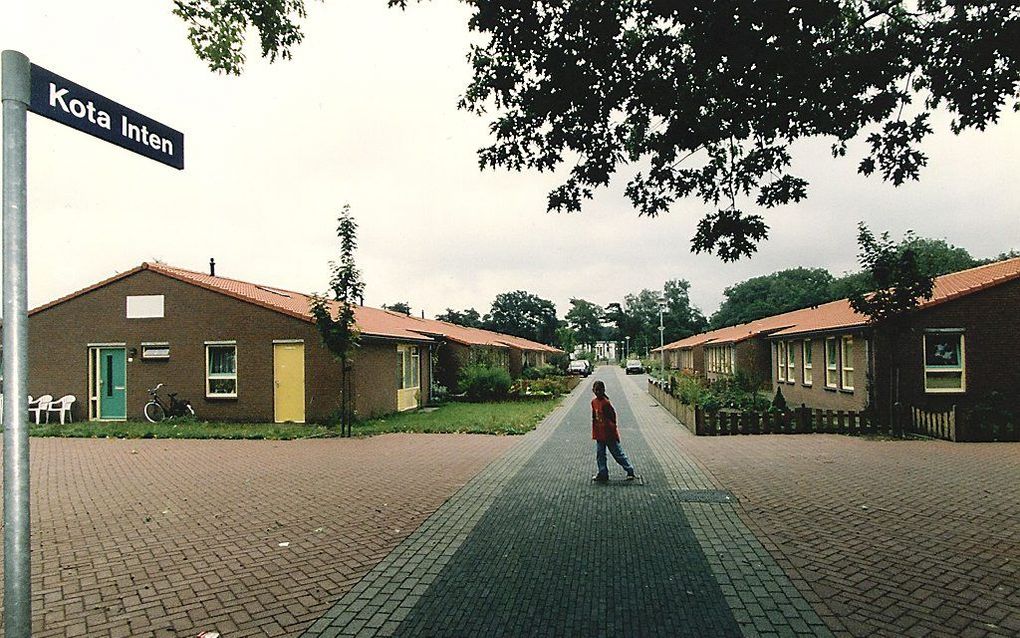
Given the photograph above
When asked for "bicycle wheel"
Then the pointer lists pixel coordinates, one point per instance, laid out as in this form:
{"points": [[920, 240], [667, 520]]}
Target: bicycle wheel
{"points": [[154, 412]]}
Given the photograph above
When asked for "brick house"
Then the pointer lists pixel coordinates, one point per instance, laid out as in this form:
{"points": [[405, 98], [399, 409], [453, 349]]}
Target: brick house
{"points": [[238, 351], [458, 346], [723, 352], [958, 349]]}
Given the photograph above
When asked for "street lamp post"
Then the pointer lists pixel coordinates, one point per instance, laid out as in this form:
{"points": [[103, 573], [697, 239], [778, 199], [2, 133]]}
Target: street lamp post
{"points": [[662, 341], [626, 351]]}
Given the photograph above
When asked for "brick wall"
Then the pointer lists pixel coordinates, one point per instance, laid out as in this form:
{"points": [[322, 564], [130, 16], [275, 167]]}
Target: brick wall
{"points": [[991, 328], [817, 395], [59, 338]]}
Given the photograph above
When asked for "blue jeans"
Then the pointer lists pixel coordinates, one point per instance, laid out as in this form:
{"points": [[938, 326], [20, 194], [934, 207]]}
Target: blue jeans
{"points": [[618, 454]]}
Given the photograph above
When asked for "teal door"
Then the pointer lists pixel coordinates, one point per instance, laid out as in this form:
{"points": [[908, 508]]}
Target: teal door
{"points": [[112, 383]]}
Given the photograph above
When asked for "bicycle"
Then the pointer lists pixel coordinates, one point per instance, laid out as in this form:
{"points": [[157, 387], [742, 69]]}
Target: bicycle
{"points": [[157, 409]]}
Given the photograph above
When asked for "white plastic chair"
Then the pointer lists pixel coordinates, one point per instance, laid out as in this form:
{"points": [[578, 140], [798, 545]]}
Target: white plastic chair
{"points": [[42, 404], [61, 406]]}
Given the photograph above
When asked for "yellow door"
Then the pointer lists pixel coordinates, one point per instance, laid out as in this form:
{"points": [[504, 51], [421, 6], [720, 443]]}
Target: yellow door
{"points": [[289, 382]]}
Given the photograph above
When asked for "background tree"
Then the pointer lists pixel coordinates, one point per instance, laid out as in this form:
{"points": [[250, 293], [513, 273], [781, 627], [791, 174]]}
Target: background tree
{"points": [[773, 294], [524, 315], [335, 316], [469, 317], [566, 338], [894, 285], [700, 95], [643, 308], [681, 319], [934, 257], [585, 319], [400, 306], [623, 324]]}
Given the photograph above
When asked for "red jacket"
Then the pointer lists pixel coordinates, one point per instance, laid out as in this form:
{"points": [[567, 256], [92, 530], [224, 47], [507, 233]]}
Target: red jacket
{"points": [[603, 421]]}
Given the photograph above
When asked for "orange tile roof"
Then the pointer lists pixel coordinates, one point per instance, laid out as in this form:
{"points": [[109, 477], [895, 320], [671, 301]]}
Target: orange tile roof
{"points": [[839, 314], [479, 336], [374, 322]]}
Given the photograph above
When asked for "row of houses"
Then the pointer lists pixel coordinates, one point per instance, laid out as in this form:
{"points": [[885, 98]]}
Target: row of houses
{"points": [[241, 351], [959, 348]]}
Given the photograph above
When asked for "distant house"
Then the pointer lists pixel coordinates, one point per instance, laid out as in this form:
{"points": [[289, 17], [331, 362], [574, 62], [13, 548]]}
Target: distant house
{"points": [[603, 350], [458, 346], [238, 351], [740, 349]]}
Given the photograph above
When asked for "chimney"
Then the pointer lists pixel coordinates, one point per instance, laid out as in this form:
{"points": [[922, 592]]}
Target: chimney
{"points": [[212, 267], [422, 313], [361, 300]]}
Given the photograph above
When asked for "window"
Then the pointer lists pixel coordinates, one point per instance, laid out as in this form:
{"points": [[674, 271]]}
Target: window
{"points": [[781, 361], [806, 361], [831, 363], [221, 370], [720, 359], [155, 350], [791, 362], [944, 361], [847, 355], [410, 367]]}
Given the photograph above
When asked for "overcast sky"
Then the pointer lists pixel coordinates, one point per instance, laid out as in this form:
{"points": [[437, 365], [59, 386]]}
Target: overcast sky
{"points": [[366, 114]]}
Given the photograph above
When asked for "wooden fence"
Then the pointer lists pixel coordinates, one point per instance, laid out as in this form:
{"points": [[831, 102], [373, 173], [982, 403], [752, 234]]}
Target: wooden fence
{"points": [[800, 420], [938, 425], [951, 425]]}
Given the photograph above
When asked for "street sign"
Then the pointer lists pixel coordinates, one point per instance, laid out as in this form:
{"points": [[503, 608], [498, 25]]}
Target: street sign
{"points": [[26, 87], [64, 101]]}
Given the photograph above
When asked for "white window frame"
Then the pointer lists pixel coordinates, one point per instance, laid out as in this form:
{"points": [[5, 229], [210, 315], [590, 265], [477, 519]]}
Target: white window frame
{"points": [[831, 368], [845, 365], [410, 366], [962, 368], [806, 366], [209, 376], [155, 350], [781, 361], [791, 362]]}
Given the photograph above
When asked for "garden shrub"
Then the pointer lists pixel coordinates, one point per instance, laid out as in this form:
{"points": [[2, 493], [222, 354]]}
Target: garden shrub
{"points": [[439, 392], [539, 372], [779, 401], [484, 383], [559, 361]]}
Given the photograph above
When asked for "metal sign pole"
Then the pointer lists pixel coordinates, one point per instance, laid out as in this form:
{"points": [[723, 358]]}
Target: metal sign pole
{"points": [[16, 94]]}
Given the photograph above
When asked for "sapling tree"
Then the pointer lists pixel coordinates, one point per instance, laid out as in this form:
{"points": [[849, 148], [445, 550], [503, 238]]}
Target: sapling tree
{"points": [[334, 312], [893, 286]]}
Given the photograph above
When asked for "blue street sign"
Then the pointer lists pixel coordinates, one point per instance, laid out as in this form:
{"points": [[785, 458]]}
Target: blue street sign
{"points": [[63, 101]]}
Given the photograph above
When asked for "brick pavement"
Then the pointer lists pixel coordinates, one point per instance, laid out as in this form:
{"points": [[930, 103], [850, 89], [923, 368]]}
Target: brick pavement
{"points": [[885, 538], [169, 538], [530, 547]]}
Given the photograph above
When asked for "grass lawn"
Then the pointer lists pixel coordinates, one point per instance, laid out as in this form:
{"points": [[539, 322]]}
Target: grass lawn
{"points": [[516, 417], [512, 417], [181, 430]]}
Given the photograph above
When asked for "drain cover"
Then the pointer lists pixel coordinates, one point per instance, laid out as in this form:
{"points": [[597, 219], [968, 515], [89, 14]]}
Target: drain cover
{"points": [[707, 496]]}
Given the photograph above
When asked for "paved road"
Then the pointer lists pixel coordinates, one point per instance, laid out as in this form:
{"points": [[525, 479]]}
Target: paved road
{"points": [[531, 548], [169, 538]]}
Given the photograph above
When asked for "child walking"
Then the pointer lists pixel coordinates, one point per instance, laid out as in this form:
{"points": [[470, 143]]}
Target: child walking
{"points": [[605, 434]]}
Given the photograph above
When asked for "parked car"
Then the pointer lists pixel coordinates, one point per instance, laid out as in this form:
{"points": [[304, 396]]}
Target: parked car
{"points": [[634, 367], [579, 366]]}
